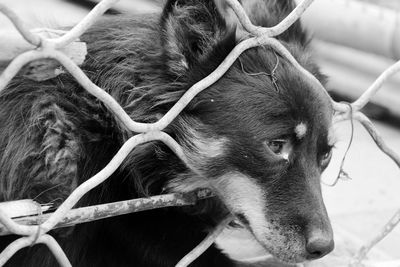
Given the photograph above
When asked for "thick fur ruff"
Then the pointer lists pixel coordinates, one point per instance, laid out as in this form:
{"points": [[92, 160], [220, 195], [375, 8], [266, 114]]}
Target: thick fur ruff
{"points": [[54, 135]]}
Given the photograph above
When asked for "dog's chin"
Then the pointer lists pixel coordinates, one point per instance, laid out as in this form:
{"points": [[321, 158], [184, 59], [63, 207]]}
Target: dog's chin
{"points": [[287, 248], [287, 256], [283, 253], [257, 249]]}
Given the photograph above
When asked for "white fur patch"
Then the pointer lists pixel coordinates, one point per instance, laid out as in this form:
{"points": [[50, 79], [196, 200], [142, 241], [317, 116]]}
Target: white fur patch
{"points": [[300, 130], [203, 148], [242, 195], [209, 147], [238, 192]]}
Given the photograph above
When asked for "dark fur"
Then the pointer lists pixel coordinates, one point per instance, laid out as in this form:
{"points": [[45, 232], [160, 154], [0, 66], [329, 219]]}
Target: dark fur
{"points": [[55, 135]]}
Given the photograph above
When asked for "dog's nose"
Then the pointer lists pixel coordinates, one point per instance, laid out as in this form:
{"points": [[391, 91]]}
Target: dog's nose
{"points": [[318, 245]]}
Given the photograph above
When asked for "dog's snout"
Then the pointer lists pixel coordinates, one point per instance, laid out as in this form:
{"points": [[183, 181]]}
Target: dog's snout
{"points": [[319, 244]]}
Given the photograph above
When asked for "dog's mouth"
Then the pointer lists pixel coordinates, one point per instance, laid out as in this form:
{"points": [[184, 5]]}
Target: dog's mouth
{"points": [[236, 224], [288, 237], [288, 243], [275, 243], [239, 221], [291, 235]]}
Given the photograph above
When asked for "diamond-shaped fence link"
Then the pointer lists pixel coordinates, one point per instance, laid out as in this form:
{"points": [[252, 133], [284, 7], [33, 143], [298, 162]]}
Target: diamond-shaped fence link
{"points": [[50, 48]]}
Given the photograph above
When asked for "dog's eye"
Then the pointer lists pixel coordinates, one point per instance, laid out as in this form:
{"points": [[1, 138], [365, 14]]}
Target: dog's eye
{"points": [[325, 158], [276, 146], [280, 147]]}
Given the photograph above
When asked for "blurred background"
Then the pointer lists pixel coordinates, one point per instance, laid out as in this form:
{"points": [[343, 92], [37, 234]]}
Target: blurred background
{"points": [[354, 42]]}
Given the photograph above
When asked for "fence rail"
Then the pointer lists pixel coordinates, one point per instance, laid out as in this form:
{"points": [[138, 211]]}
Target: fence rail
{"points": [[50, 48]]}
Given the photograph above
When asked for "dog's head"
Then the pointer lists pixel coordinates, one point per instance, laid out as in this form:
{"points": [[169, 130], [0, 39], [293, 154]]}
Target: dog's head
{"points": [[259, 136]]}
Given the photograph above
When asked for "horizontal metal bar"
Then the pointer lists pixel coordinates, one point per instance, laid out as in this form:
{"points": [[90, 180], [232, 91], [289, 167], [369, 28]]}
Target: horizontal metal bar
{"points": [[97, 212]]}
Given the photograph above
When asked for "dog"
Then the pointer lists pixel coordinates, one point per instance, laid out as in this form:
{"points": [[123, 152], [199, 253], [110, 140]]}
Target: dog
{"points": [[259, 138]]}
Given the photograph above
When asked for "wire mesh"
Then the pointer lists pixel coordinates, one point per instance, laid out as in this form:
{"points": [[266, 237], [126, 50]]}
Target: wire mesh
{"points": [[258, 36]]}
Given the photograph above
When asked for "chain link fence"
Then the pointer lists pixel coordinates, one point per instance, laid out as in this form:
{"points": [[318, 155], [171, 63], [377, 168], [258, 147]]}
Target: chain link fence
{"points": [[52, 48]]}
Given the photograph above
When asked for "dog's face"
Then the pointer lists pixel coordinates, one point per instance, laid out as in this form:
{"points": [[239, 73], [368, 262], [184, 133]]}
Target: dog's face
{"points": [[261, 144], [263, 149]]}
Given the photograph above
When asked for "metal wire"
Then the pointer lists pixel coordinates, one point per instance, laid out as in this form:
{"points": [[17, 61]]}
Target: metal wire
{"points": [[49, 48]]}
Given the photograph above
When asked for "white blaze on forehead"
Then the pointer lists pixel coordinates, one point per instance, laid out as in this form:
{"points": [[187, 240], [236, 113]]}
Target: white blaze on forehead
{"points": [[300, 130]]}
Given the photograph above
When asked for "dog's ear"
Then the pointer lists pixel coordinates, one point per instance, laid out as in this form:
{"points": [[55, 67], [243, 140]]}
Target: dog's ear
{"points": [[265, 13], [268, 13], [191, 30]]}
